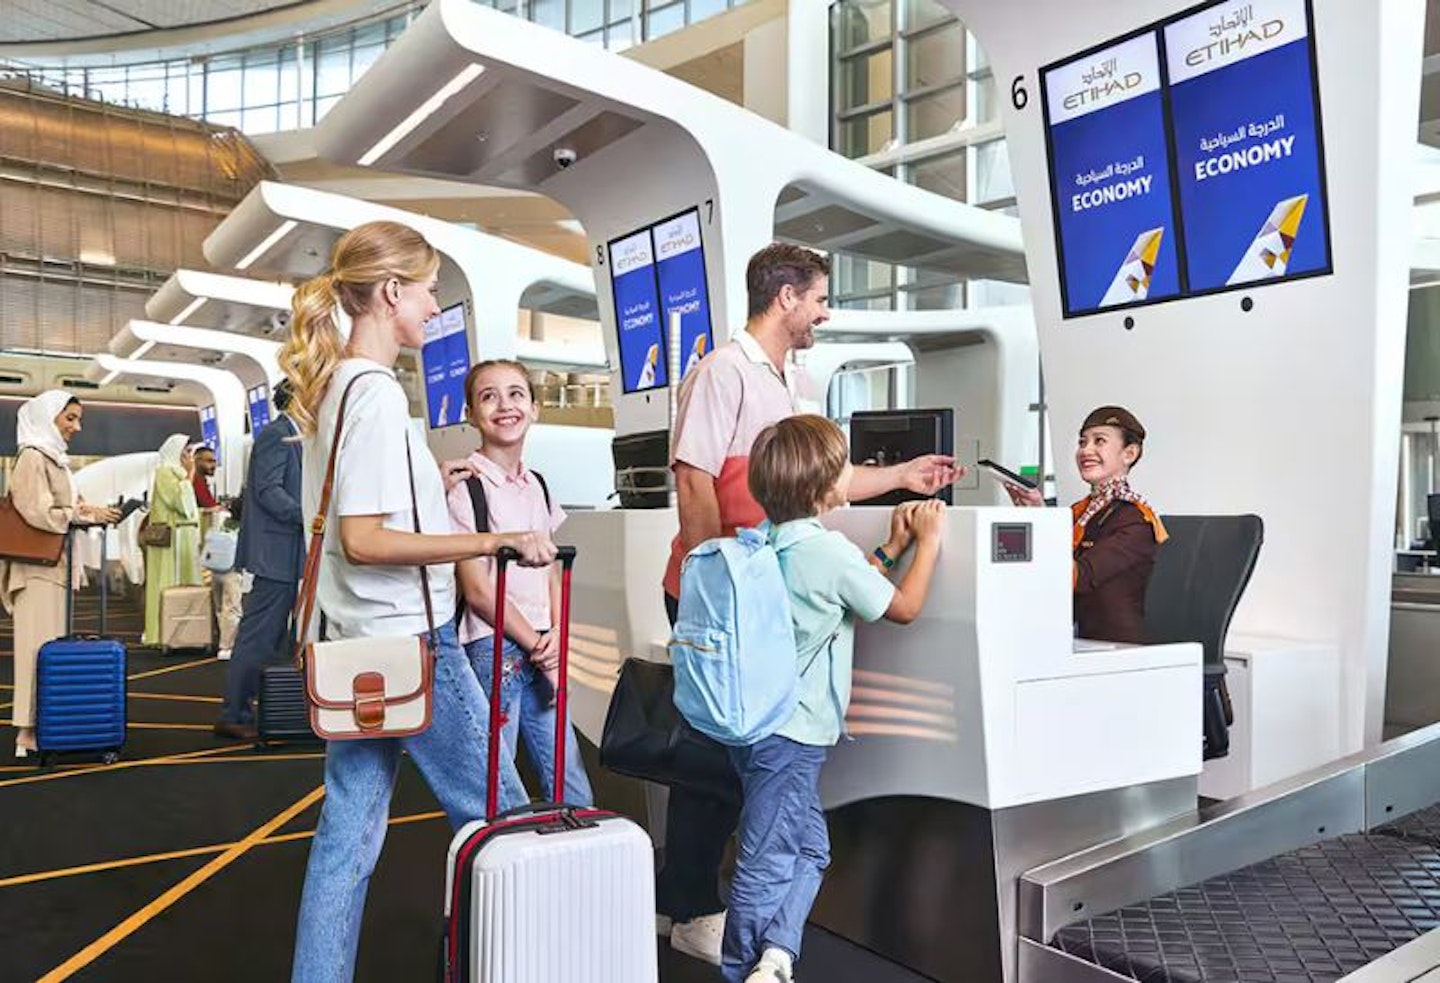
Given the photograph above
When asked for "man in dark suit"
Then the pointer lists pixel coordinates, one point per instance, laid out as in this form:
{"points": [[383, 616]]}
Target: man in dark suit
{"points": [[272, 549]]}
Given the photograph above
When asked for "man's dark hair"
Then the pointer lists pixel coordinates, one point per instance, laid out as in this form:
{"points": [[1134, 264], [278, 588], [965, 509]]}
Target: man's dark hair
{"points": [[204, 449], [281, 395], [777, 265]]}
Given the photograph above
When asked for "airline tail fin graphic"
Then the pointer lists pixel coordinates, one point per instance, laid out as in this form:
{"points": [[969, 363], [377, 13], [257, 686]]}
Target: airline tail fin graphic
{"points": [[1132, 280], [1269, 253]]}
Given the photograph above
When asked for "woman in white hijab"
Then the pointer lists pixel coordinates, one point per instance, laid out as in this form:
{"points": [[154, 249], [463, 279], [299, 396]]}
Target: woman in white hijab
{"points": [[43, 492], [172, 503]]}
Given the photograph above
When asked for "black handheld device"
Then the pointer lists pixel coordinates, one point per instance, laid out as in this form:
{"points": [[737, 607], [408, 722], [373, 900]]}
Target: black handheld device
{"points": [[1003, 473]]}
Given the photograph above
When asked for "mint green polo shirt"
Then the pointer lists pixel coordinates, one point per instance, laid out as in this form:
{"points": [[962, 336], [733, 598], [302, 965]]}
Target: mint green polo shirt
{"points": [[831, 583]]}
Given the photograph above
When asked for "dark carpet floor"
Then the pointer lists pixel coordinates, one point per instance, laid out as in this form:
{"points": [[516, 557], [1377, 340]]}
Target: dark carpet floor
{"points": [[100, 867]]}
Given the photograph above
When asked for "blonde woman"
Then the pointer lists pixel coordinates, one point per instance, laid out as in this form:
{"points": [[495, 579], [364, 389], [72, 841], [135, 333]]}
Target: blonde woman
{"points": [[383, 275], [172, 503], [43, 492]]}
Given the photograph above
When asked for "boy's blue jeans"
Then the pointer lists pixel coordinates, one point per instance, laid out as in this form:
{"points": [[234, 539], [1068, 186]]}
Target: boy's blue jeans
{"points": [[359, 777], [784, 850], [526, 699]]}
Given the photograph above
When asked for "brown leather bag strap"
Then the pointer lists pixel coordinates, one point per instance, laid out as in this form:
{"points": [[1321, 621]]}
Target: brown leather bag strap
{"points": [[415, 518], [305, 600]]}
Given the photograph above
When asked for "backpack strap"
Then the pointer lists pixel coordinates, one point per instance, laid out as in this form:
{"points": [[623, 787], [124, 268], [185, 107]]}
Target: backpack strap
{"points": [[543, 487], [477, 501]]}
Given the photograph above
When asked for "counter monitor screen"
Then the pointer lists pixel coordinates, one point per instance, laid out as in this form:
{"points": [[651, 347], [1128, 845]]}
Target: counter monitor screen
{"points": [[209, 430], [680, 268], [636, 293], [259, 399], [886, 437], [1187, 158], [445, 359]]}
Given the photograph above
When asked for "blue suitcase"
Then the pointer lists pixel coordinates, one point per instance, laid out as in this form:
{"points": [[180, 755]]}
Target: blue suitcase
{"points": [[80, 689]]}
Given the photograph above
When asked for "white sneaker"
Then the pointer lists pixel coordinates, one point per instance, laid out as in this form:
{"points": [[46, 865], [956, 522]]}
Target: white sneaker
{"points": [[700, 937], [223, 654], [663, 925], [774, 967]]}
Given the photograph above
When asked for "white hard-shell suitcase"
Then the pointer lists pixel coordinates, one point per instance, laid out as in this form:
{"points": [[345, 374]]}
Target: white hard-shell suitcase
{"points": [[548, 893]]}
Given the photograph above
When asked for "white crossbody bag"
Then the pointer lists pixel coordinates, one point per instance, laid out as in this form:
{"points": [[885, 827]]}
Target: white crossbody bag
{"points": [[363, 687]]}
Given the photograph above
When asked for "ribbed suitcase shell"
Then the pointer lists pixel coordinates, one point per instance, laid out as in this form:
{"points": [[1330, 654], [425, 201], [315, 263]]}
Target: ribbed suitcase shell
{"points": [[185, 618], [80, 695], [284, 713], [554, 906]]}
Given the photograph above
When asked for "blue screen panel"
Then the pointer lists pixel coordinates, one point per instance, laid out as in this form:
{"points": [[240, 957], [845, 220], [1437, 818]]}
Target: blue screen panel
{"points": [[1110, 175], [683, 291], [1247, 143], [637, 313], [444, 359]]}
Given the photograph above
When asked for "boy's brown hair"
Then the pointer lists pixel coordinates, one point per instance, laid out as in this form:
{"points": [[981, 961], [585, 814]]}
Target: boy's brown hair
{"points": [[495, 363], [793, 464]]}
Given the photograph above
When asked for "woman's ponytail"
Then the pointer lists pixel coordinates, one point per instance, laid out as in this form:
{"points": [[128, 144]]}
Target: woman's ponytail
{"points": [[314, 349]]}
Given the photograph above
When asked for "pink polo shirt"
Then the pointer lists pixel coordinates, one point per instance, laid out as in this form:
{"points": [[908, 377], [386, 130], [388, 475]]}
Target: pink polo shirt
{"points": [[516, 503], [725, 401]]}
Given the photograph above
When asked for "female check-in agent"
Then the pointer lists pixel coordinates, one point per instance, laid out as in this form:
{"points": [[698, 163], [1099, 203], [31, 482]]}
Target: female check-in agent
{"points": [[1116, 533]]}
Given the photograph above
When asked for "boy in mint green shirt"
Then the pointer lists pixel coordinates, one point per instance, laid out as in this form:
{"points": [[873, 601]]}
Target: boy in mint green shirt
{"points": [[799, 469]]}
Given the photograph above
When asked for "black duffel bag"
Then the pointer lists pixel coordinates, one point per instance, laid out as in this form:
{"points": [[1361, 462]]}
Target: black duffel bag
{"points": [[646, 737]]}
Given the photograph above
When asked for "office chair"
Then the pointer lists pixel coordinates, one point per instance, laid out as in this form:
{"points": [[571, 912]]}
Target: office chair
{"points": [[1199, 577]]}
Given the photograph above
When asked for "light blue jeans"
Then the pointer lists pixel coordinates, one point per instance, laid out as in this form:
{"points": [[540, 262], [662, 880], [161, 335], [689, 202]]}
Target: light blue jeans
{"points": [[784, 850], [359, 777], [526, 701]]}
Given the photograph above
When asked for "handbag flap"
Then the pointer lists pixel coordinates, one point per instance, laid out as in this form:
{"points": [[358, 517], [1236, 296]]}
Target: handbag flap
{"points": [[331, 668]]}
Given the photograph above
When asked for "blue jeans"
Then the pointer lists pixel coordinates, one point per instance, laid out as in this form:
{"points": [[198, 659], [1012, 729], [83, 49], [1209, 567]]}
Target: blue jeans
{"points": [[359, 777], [784, 850], [525, 703]]}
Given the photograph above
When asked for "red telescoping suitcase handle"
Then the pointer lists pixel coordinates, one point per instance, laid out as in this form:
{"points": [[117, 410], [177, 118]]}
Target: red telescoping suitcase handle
{"points": [[503, 557]]}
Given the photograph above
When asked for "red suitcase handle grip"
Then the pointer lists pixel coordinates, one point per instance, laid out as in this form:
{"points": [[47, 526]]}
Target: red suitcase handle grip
{"points": [[503, 557]]}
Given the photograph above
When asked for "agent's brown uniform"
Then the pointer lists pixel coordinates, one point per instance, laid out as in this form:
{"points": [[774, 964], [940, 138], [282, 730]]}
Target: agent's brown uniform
{"points": [[1114, 553]]}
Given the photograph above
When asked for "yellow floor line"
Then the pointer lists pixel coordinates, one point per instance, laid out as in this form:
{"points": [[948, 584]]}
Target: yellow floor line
{"points": [[177, 697], [95, 868], [175, 668], [142, 917], [51, 776]]}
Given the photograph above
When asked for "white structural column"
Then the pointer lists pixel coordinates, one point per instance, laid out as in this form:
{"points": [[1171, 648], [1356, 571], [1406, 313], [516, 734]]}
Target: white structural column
{"points": [[226, 392], [1290, 409]]}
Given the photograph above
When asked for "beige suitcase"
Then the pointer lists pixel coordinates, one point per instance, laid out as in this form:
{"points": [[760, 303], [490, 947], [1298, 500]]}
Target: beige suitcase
{"points": [[186, 621]]}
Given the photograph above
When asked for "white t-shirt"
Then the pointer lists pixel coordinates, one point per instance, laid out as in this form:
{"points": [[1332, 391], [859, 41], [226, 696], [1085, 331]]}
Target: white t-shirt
{"points": [[371, 479]]}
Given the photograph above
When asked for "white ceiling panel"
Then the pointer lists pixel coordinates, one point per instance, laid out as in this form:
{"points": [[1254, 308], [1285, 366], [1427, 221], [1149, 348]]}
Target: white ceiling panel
{"points": [[28, 21]]}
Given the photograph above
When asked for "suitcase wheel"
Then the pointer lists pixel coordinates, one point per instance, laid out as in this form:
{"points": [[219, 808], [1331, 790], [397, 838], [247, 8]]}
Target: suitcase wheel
{"points": [[110, 757]]}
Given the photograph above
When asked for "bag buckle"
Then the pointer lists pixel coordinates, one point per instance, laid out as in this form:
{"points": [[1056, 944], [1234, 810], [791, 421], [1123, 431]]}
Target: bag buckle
{"points": [[369, 693]]}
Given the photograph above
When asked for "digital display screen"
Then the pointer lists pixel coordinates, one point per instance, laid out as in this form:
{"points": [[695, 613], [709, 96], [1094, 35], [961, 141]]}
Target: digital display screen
{"points": [[445, 359], [680, 267], [1110, 173], [1011, 543], [1247, 143], [1187, 158], [635, 291], [259, 399], [209, 430]]}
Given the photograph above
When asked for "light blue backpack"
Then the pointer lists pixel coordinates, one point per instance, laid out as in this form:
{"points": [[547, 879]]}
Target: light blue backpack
{"points": [[733, 646]]}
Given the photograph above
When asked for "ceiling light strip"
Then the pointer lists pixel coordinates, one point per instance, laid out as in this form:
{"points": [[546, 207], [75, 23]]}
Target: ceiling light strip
{"points": [[426, 109], [285, 229]]}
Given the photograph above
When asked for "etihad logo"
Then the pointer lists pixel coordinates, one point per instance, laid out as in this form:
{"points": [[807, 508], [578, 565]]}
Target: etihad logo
{"points": [[1236, 43], [1102, 89], [679, 244], [1132, 280]]}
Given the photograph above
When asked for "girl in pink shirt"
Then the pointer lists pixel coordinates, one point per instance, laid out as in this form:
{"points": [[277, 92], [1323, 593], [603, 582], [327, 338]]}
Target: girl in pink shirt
{"points": [[501, 405]]}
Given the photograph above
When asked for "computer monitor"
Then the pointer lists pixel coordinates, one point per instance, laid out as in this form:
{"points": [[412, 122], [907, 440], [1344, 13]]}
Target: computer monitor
{"points": [[1432, 511], [642, 469], [886, 437]]}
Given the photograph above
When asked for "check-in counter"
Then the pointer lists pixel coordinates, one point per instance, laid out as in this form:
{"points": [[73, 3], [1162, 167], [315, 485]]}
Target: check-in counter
{"points": [[985, 739], [987, 698]]}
